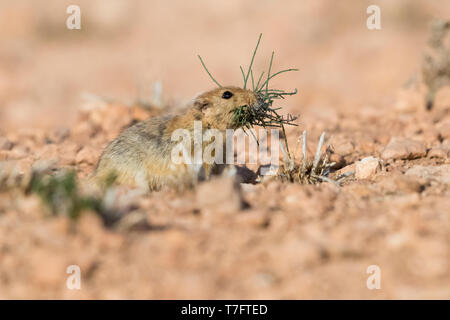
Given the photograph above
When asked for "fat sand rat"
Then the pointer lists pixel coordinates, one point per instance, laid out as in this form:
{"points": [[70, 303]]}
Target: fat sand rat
{"points": [[141, 156]]}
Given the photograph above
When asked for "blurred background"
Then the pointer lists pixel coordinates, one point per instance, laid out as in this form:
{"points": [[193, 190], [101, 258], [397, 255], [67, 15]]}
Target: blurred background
{"points": [[124, 47], [288, 240]]}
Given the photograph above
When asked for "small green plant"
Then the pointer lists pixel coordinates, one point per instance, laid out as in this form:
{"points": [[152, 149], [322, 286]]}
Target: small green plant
{"points": [[61, 194], [264, 114]]}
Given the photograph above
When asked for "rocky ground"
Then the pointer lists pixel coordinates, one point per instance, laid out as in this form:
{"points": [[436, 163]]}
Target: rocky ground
{"points": [[221, 240]]}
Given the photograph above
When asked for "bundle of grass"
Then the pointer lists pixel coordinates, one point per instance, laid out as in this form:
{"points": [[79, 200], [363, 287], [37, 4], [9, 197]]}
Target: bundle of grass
{"points": [[264, 115], [309, 172]]}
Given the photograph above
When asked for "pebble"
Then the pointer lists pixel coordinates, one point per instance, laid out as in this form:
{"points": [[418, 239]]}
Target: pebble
{"points": [[367, 167], [431, 173], [403, 148]]}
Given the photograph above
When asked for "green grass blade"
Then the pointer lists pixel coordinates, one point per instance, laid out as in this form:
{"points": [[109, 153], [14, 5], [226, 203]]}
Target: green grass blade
{"points": [[268, 73], [242, 72], [210, 75], [259, 80], [251, 62], [266, 83]]}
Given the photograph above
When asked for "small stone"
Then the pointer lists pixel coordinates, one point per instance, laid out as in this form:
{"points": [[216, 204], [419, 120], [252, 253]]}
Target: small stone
{"points": [[431, 173], [403, 148], [367, 167], [439, 152], [345, 148], [399, 183]]}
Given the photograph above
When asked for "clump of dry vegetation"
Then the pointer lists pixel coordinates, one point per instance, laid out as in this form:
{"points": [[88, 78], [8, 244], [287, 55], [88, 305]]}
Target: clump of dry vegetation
{"points": [[307, 171]]}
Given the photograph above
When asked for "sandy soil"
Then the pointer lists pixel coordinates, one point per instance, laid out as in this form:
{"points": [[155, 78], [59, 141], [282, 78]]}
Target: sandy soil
{"points": [[64, 94]]}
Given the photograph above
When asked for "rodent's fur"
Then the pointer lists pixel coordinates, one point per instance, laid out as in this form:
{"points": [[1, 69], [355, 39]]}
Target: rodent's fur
{"points": [[141, 155]]}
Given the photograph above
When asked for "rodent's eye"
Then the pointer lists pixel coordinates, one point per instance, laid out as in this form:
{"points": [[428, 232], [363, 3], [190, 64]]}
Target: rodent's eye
{"points": [[227, 95]]}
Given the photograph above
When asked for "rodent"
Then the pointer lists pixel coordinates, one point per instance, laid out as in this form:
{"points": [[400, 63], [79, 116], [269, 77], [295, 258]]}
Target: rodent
{"points": [[141, 155]]}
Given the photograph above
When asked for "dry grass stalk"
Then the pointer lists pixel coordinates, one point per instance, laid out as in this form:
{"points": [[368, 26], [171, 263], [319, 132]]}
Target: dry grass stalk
{"points": [[307, 171]]}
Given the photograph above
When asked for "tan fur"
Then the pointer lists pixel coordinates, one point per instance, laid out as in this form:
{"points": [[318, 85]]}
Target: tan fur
{"points": [[141, 155]]}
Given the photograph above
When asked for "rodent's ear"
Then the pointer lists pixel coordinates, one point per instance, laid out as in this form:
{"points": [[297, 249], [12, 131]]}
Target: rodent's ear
{"points": [[201, 104]]}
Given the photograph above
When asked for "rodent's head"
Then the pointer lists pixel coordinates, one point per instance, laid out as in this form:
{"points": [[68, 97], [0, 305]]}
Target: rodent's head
{"points": [[218, 105]]}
